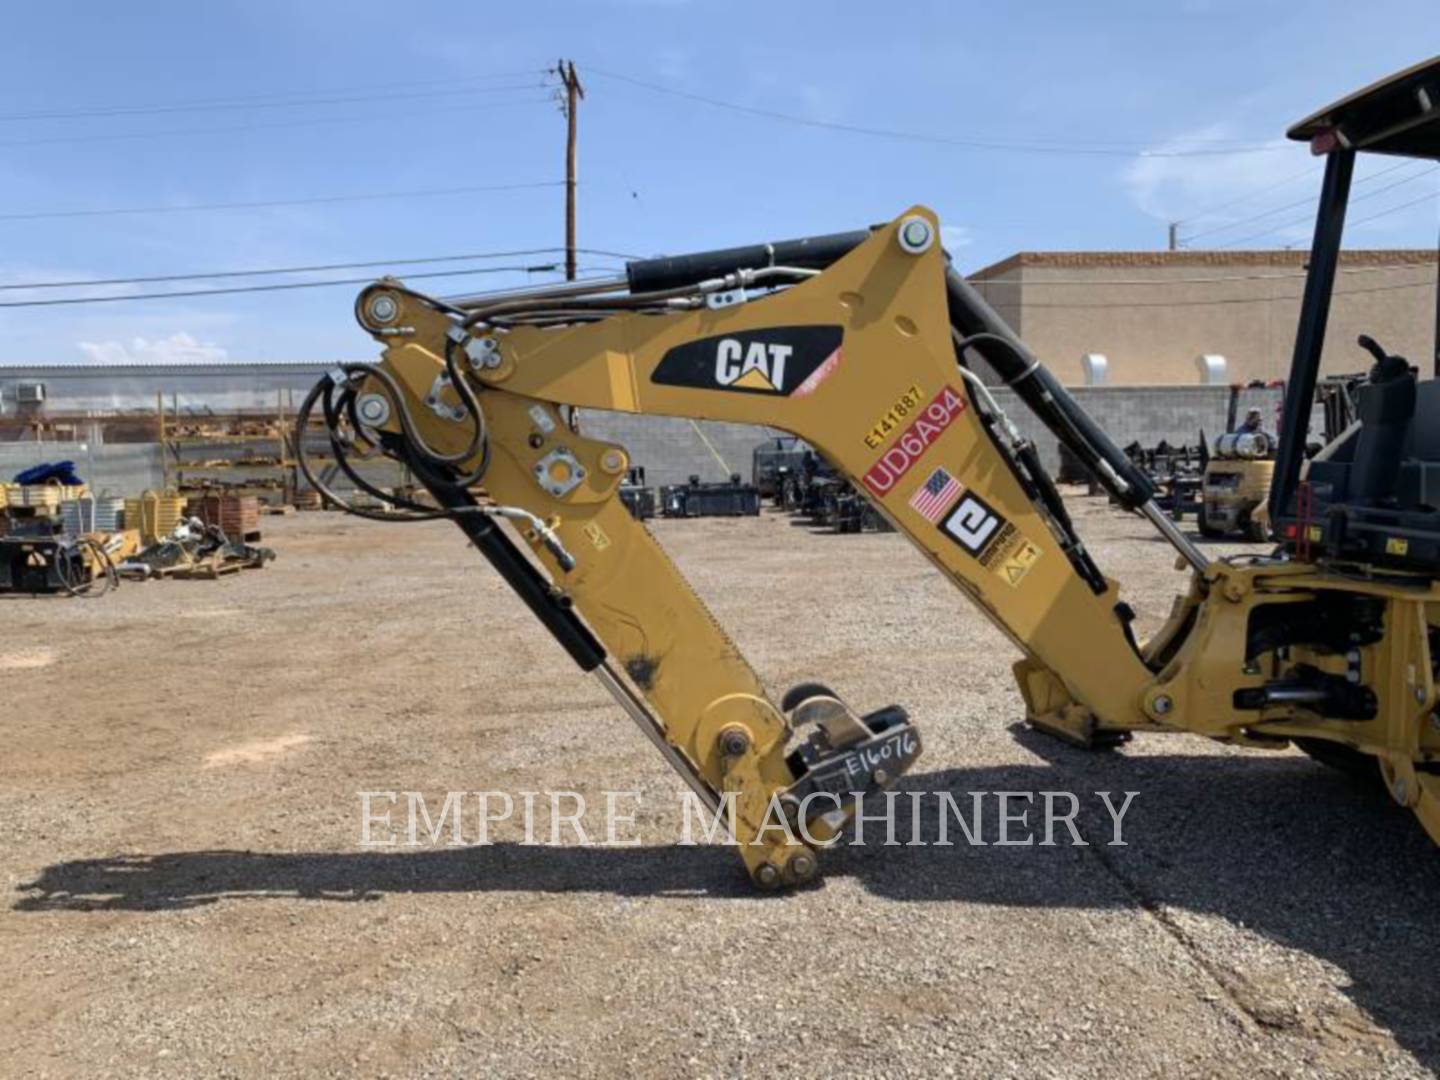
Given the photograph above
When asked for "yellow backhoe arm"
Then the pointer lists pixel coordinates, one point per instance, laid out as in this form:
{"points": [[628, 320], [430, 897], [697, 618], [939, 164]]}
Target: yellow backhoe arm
{"points": [[859, 361], [865, 360]]}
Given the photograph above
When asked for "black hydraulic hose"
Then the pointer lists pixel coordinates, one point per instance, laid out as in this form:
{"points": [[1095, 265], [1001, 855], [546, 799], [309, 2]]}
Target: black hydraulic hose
{"points": [[975, 320], [519, 572], [342, 458], [685, 271], [86, 589], [598, 304], [302, 423]]}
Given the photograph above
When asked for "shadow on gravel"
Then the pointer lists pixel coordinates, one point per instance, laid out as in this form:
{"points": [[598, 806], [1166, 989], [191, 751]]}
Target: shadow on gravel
{"points": [[1290, 850]]}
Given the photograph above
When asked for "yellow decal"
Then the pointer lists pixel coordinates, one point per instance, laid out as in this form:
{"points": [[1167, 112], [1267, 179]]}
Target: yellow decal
{"points": [[1314, 533], [1014, 566], [905, 405], [596, 536], [1396, 545]]}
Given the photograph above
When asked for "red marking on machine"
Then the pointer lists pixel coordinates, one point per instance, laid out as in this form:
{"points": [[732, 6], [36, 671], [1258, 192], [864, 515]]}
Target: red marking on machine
{"points": [[819, 375], [914, 441]]}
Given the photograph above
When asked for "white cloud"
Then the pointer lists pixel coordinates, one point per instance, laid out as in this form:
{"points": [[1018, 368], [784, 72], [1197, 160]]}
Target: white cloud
{"points": [[1171, 188], [178, 348], [955, 237]]}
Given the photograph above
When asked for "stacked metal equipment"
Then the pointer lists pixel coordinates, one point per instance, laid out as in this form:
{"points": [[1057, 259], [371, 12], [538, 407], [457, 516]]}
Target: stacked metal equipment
{"points": [[1175, 472], [801, 481], [91, 514], [237, 516], [638, 499], [732, 498], [49, 542], [154, 514]]}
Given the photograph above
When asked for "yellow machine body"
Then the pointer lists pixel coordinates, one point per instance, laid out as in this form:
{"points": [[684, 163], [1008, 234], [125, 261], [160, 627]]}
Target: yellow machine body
{"points": [[860, 361]]}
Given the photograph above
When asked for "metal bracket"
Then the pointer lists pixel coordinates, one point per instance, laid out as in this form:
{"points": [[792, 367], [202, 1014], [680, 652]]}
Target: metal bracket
{"points": [[728, 298], [559, 472], [438, 405]]}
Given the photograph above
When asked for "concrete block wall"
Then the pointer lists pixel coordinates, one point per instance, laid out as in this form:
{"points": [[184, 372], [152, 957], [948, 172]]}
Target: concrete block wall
{"points": [[672, 450], [1145, 414]]}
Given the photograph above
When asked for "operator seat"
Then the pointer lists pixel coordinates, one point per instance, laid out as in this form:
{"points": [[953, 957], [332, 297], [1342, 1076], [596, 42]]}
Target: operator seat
{"points": [[1373, 494]]}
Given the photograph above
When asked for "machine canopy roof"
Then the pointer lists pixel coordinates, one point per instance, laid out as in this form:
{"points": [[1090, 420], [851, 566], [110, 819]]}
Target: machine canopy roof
{"points": [[1398, 115]]}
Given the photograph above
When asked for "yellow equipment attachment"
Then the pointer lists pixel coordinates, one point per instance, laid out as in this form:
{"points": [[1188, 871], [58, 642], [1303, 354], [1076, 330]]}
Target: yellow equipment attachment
{"points": [[859, 344]]}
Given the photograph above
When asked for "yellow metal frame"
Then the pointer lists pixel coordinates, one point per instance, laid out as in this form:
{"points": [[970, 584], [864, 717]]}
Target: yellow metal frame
{"points": [[1080, 676]]}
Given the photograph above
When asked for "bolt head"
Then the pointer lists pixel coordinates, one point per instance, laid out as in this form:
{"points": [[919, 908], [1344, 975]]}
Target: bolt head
{"points": [[767, 877], [734, 742], [383, 308], [803, 866], [1164, 703], [916, 235], [373, 409]]}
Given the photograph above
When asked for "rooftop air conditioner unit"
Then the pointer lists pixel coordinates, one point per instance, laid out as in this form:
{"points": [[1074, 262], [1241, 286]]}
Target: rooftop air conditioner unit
{"points": [[1095, 367], [1212, 369]]}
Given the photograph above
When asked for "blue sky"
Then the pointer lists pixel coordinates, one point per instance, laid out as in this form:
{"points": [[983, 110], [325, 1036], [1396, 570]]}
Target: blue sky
{"points": [[433, 96]]}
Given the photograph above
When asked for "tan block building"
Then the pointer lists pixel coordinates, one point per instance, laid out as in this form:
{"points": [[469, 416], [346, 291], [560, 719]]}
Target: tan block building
{"points": [[1153, 314]]}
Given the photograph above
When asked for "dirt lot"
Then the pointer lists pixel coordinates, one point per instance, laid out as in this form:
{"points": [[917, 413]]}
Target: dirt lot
{"points": [[185, 893]]}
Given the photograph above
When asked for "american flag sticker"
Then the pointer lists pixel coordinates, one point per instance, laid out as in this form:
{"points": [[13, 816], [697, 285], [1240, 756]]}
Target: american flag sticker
{"points": [[933, 497]]}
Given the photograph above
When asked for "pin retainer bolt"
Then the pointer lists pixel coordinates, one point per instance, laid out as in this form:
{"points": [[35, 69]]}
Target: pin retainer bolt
{"points": [[373, 409], [382, 308], [734, 741], [915, 235]]}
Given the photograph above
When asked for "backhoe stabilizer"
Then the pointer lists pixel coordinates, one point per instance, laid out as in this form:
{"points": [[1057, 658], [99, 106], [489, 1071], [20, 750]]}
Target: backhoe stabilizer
{"points": [[1050, 708]]}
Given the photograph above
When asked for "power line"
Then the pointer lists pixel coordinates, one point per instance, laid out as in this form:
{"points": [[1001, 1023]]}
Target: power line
{"points": [[607, 254], [314, 121], [1209, 211], [939, 140], [278, 101], [548, 268], [318, 268], [591, 270], [1394, 209], [261, 204], [1309, 200], [1359, 198]]}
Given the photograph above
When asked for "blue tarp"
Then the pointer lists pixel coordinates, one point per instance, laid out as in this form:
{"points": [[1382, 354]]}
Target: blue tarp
{"points": [[59, 472]]}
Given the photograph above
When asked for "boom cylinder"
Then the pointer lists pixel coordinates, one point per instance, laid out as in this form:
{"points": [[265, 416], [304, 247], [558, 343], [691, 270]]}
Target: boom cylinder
{"points": [[1042, 392], [677, 271]]}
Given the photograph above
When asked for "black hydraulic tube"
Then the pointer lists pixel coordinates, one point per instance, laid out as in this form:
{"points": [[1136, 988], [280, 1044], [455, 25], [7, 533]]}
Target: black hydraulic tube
{"points": [[520, 574], [677, 271], [1310, 335], [1042, 392]]}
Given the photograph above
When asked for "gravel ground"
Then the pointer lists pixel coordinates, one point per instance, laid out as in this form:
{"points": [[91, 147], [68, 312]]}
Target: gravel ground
{"points": [[186, 893]]}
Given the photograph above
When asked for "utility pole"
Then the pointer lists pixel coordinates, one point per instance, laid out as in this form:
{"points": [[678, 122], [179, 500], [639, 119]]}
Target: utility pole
{"points": [[1174, 236], [574, 92]]}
